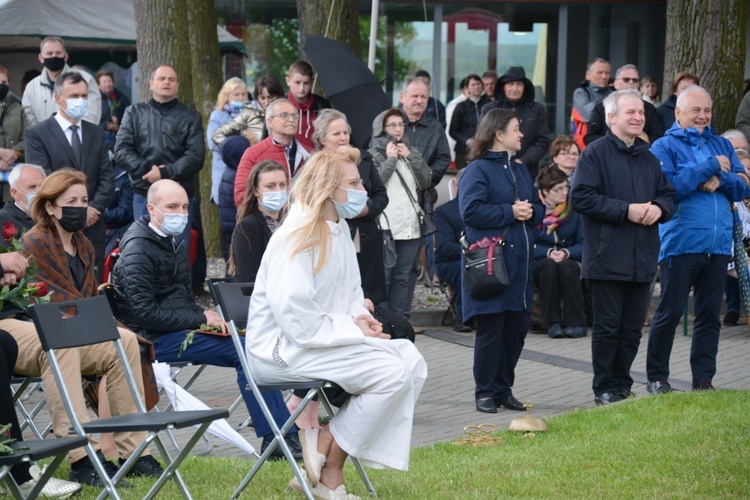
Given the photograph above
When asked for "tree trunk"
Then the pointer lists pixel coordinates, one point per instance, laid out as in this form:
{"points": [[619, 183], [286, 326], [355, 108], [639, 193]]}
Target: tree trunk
{"points": [[162, 38], [207, 81], [341, 17], [707, 37]]}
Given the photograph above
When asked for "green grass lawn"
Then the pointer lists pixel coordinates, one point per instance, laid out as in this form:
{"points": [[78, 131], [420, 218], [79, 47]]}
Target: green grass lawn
{"points": [[686, 445]]}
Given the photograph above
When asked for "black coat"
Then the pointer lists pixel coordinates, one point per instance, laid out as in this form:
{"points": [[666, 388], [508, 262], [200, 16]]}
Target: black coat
{"points": [[119, 214], [598, 123], [609, 177], [153, 285], [47, 146], [169, 134], [249, 242], [370, 256], [666, 112], [465, 120], [19, 218]]}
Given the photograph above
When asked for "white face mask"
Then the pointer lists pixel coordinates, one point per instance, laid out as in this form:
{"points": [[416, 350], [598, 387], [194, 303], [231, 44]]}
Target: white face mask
{"points": [[273, 201], [356, 200], [76, 108]]}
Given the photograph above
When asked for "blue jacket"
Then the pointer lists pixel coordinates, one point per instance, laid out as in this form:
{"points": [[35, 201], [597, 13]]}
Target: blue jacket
{"points": [[489, 186], [567, 237], [449, 229], [608, 178], [702, 223]]}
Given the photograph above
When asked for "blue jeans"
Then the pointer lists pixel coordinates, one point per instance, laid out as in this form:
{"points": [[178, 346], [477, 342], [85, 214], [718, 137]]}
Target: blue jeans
{"points": [[220, 351], [139, 210]]}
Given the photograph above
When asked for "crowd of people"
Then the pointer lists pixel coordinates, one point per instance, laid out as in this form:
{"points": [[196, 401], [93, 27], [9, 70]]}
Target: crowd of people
{"points": [[586, 221]]}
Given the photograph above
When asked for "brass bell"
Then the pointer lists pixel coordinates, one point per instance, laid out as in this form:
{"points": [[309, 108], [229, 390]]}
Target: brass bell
{"points": [[527, 423]]}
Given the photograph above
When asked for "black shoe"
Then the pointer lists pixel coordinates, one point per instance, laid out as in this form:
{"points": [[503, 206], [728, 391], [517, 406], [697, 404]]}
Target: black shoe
{"points": [[607, 398], [731, 318], [292, 440], [83, 472], [510, 403], [144, 466], [575, 332], [704, 385], [626, 394], [459, 326], [555, 331], [486, 405], [658, 387]]}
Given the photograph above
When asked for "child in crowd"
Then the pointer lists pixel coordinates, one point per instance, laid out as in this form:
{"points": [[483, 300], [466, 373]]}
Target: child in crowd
{"points": [[299, 79]]}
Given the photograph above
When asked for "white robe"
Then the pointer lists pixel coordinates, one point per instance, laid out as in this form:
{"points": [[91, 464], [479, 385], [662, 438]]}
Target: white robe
{"points": [[303, 327]]}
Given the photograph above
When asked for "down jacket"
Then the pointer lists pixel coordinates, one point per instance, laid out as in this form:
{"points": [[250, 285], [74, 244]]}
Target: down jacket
{"points": [[169, 134], [703, 221], [153, 285], [488, 188], [609, 177]]}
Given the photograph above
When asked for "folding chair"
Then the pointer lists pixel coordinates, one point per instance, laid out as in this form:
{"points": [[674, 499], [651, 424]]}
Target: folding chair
{"points": [[27, 451], [450, 311], [22, 388], [83, 322], [234, 304]]}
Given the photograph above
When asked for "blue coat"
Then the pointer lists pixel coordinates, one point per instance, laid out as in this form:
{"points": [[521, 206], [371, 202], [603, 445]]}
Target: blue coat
{"points": [[227, 210], [489, 186], [216, 120], [703, 221], [568, 237], [608, 178]]}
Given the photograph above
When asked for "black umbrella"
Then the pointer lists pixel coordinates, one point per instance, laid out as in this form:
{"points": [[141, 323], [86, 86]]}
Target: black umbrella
{"points": [[349, 84]]}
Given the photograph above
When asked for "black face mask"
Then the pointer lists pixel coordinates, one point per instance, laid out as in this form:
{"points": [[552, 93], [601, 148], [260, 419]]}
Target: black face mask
{"points": [[73, 218], [54, 63], [3, 90]]}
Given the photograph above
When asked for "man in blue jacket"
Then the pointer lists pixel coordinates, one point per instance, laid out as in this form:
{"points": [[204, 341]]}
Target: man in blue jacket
{"points": [[696, 244], [621, 193]]}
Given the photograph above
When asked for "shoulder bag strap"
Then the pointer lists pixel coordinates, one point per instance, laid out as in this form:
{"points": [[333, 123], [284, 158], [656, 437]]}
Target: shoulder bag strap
{"points": [[414, 204]]}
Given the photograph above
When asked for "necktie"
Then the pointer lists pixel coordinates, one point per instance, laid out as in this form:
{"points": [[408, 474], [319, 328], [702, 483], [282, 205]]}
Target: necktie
{"points": [[75, 143]]}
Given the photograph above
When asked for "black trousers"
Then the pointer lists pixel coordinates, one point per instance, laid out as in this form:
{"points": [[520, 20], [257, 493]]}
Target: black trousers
{"points": [[706, 275], [498, 345], [564, 278], [619, 312], [8, 357]]}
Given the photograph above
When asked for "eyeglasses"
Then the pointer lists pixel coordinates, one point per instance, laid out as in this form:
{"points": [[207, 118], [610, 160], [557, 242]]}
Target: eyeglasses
{"points": [[560, 190], [396, 125], [629, 80], [741, 152], [569, 153], [287, 116]]}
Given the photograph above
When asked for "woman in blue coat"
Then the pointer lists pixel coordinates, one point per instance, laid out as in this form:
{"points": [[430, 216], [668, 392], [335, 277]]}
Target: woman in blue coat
{"points": [[497, 194], [557, 258]]}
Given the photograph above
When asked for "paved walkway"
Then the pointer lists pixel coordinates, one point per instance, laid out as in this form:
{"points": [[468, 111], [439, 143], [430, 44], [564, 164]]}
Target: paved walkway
{"points": [[553, 374]]}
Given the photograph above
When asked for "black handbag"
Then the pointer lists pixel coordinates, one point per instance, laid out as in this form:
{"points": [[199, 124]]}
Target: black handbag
{"points": [[389, 244], [484, 267], [427, 225]]}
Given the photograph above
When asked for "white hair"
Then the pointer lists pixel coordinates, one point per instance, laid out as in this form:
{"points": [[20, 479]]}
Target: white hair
{"points": [[692, 88], [15, 174], [612, 101], [733, 133], [271, 108]]}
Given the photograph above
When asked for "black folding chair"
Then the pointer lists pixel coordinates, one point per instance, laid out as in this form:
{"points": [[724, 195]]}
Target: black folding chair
{"points": [[64, 325], [28, 451], [234, 305]]}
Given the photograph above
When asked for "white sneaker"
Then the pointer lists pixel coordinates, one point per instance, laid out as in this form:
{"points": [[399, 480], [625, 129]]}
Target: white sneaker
{"points": [[55, 488]]}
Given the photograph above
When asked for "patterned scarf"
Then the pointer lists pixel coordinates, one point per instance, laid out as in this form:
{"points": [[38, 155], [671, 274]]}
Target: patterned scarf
{"points": [[559, 216]]}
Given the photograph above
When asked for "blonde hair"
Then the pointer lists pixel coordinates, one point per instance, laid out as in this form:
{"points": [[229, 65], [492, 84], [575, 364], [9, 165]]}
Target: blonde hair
{"points": [[311, 189], [229, 86]]}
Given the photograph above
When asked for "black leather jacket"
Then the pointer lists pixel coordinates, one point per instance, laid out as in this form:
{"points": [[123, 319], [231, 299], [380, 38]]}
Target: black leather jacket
{"points": [[169, 134]]}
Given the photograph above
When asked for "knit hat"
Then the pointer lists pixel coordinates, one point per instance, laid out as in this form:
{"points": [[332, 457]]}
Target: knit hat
{"points": [[233, 148]]}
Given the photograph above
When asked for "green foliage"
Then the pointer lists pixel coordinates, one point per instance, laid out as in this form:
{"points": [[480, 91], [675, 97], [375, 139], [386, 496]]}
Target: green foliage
{"points": [[404, 33], [280, 48]]}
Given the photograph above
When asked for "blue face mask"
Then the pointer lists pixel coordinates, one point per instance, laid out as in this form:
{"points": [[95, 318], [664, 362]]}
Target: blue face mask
{"points": [[173, 224], [273, 201], [76, 108], [29, 198], [355, 202], [236, 105]]}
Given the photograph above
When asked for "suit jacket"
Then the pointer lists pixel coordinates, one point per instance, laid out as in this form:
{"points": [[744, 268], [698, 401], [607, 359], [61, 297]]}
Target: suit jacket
{"points": [[47, 146]]}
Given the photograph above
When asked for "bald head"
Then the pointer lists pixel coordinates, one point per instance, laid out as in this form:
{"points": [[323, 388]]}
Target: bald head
{"points": [[166, 197]]}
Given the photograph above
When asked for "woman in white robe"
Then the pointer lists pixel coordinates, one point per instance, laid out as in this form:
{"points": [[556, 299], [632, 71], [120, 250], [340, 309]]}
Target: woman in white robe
{"points": [[308, 321]]}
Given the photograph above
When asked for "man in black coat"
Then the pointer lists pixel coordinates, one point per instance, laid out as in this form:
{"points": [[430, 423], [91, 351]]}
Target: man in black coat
{"points": [[466, 118], [626, 77], [619, 189], [516, 92], [65, 141]]}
